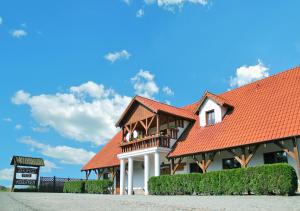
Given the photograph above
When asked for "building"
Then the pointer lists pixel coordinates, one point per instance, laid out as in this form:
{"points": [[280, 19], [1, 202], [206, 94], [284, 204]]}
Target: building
{"points": [[251, 125]]}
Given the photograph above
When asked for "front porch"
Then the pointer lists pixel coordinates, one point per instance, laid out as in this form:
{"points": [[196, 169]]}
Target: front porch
{"points": [[150, 160]]}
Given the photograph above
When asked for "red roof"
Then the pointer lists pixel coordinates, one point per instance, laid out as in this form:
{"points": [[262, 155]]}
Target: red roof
{"points": [[156, 106], [218, 99], [107, 156], [265, 110]]}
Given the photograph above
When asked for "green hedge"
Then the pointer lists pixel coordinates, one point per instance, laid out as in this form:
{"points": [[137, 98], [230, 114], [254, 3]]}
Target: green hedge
{"points": [[74, 187], [99, 186], [279, 179]]}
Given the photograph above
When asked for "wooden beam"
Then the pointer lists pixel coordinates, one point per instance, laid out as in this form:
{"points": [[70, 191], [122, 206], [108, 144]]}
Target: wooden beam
{"points": [[134, 126], [236, 156], [203, 164], [293, 154], [157, 125], [128, 130], [251, 153], [176, 166], [143, 124], [245, 157], [87, 174], [285, 149], [150, 122]]}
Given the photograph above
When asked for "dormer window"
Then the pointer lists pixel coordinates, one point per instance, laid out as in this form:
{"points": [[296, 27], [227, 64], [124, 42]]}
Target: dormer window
{"points": [[210, 117]]}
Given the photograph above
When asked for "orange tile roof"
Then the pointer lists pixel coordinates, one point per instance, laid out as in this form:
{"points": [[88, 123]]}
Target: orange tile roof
{"points": [[158, 106], [218, 99], [107, 156], [265, 110]]}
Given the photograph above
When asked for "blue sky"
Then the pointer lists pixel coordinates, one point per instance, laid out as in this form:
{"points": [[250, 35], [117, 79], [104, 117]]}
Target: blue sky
{"points": [[69, 68]]}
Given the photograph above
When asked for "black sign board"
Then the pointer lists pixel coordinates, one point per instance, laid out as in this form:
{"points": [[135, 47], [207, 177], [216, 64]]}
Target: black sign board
{"points": [[26, 175], [26, 170], [25, 182], [32, 168]]}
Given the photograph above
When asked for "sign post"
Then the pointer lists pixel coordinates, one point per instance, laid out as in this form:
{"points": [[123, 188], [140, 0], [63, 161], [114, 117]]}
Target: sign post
{"points": [[26, 171]]}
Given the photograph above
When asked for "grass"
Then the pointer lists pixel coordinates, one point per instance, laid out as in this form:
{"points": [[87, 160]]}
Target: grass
{"points": [[3, 189]]}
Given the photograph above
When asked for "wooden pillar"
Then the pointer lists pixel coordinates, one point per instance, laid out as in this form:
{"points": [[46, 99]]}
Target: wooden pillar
{"points": [[293, 154], [14, 179], [87, 174], [157, 125], [175, 167], [37, 178], [172, 166]]}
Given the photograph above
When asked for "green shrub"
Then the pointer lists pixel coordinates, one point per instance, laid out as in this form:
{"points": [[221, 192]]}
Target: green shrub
{"points": [[74, 187], [279, 179], [99, 186]]}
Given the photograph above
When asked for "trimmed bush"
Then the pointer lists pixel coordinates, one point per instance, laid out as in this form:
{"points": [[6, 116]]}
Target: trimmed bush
{"points": [[99, 186], [74, 187], [279, 179]]}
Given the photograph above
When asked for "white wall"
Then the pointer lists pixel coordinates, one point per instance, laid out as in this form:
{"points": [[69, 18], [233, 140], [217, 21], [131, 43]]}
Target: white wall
{"points": [[208, 105], [257, 159]]}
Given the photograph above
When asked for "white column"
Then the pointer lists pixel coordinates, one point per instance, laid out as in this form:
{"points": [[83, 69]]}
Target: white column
{"points": [[130, 174], [122, 176], [156, 164], [146, 173]]}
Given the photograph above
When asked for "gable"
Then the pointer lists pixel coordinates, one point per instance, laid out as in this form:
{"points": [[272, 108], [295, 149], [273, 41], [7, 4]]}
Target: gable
{"points": [[209, 105], [137, 112]]}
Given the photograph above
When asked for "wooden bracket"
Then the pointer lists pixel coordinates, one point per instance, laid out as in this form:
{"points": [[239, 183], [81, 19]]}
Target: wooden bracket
{"points": [[203, 164], [245, 157], [293, 154], [175, 167]]}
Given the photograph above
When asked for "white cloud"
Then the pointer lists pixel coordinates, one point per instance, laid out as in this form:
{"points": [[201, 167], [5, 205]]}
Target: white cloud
{"points": [[64, 154], [7, 119], [40, 129], [168, 102], [149, 1], [18, 127], [126, 2], [6, 174], [173, 4], [140, 13], [49, 166], [18, 33], [144, 84], [168, 91], [112, 57], [247, 74], [20, 97], [86, 113], [1, 20]]}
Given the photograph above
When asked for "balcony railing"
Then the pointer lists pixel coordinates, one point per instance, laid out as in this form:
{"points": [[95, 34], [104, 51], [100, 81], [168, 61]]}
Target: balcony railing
{"points": [[146, 142]]}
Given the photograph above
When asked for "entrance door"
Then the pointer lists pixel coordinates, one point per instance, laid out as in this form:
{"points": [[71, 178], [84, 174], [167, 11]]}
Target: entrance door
{"points": [[118, 182]]}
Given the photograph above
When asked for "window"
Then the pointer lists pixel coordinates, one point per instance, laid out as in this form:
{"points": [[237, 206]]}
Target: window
{"points": [[194, 168], [210, 117], [231, 163], [275, 157], [106, 175]]}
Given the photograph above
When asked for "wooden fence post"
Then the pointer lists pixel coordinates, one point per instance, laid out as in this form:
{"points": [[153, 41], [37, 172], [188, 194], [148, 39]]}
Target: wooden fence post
{"points": [[54, 181]]}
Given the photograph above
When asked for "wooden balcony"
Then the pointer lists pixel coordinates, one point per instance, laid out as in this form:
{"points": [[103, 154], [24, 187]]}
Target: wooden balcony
{"points": [[146, 142]]}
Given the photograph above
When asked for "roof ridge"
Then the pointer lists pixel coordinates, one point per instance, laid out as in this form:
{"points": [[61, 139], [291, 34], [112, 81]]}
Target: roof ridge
{"points": [[161, 103], [257, 81]]}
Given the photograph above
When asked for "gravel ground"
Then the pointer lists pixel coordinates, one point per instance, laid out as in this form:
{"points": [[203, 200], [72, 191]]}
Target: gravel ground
{"points": [[60, 201]]}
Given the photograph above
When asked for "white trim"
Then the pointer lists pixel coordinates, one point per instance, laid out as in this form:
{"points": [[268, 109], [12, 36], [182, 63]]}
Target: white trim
{"points": [[142, 152]]}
